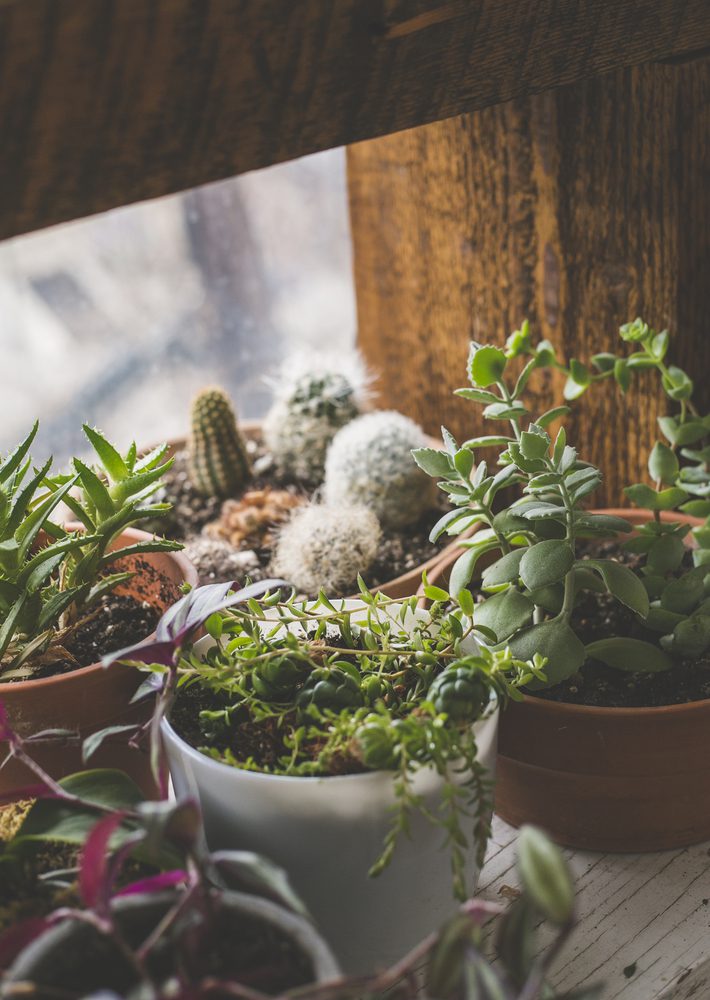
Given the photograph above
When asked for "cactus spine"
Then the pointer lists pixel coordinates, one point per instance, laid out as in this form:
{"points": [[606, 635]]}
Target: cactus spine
{"points": [[309, 409], [326, 547], [370, 462], [217, 458]]}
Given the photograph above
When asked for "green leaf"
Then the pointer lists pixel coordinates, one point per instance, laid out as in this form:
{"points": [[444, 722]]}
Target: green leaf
{"points": [[644, 496], [95, 489], [463, 460], [603, 522], [433, 462], [691, 636], [545, 875], [629, 654], [15, 458], [660, 620], [549, 416], [435, 593], [477, 395], [622, 583], [666, 553], [504, 613], [463, 568], [622, 374], [659, 345], [677, 384], [446, 521], [488, 441], [663, 464], [465, 600], [537, 511], [108, 456], [604, 362], [534, 445], [545, 563], [682, 434], [503, 570], [696, 508], [504, 411], [9, 624], [555, 641], [486, 365], [683, 595]]}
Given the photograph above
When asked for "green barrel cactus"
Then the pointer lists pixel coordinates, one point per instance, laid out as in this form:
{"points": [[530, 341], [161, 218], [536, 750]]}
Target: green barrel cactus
{"points": [[308, 410], [217, 457], [370, 463], [326, 547]]}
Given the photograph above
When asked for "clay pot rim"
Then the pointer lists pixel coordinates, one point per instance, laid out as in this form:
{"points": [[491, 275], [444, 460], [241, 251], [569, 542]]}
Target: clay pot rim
{"points": [[566, 708], [189, 574]]}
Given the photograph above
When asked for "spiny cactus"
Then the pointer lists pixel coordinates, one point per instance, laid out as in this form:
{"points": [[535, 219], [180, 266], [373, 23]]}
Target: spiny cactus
{"points": [[311, 404], [370, 462], [326, 547], [218, 462]]}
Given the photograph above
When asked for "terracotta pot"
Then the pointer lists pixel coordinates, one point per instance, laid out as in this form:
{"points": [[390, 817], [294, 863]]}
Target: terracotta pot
{"points": [[92, 698], [399, 587], [606, 779]]}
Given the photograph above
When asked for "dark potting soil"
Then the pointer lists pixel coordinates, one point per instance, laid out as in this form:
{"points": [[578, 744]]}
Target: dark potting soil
{"points": [[399, 553], [597, 684], [118, 620]]}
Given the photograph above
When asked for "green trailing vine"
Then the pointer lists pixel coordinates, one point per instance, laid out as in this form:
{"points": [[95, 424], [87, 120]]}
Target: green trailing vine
{"points": [[305, 689]]}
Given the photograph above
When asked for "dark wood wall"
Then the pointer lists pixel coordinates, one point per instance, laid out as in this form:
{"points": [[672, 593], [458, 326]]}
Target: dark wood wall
{"points": [[579, 209], [105, 102]]}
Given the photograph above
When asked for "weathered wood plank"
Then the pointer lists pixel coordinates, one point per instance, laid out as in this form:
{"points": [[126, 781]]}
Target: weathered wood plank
{"points": [[104, 102], [578, 209], [643, 919]]}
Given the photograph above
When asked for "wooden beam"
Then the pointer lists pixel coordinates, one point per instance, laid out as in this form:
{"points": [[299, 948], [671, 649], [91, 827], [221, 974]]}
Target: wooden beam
{"points": [[104, 102], [578, 209]]}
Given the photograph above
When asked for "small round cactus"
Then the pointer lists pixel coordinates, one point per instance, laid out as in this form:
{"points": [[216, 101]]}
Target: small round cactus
{"points": [[370, 462], [309, 408], [217, 456], [326, 547]]}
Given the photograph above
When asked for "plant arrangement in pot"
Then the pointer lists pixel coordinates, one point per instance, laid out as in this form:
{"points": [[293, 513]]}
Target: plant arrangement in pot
{"points": [[125, 899], [605, 752], [259, 500], [340, 738], [71, 593]]}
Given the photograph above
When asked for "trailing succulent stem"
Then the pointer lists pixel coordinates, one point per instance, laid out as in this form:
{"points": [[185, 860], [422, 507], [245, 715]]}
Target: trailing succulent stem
{"points": [[217, 457]]}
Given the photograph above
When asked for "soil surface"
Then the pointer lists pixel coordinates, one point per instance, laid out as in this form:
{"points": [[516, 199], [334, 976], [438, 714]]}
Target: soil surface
{"points": [[400, 551], [599, 685], [118, 620]]}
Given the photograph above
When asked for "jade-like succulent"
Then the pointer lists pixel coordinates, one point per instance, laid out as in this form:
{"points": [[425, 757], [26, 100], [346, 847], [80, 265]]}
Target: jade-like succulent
{"points": [[370, 463], [538, 578], [218, 461], [309, 408], [326, 547]]}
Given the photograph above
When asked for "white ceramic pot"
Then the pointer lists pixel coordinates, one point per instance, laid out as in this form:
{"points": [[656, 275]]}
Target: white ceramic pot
{"points": [[326, 832]]}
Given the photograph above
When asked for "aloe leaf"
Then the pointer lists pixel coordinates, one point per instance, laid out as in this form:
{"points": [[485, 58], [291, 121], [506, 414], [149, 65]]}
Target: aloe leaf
{"points": [[14, 459], [21, 503], [95, 489], [109, 457]]}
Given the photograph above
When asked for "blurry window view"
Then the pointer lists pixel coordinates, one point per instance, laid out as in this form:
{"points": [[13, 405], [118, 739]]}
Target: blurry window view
{"points": [[118, 319]]}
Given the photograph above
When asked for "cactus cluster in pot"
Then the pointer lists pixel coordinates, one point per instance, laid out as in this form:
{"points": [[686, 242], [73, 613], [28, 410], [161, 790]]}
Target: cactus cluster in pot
{"points": [[530, 590], [274, 494]]}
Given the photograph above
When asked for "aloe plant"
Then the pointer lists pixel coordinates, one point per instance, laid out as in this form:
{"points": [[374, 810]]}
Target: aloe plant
{"points": [[51, 576]]}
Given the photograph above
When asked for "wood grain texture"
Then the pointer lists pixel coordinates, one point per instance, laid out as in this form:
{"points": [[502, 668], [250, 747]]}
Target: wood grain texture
{"points": [[642, 927], [579, 208], [104, 102]]}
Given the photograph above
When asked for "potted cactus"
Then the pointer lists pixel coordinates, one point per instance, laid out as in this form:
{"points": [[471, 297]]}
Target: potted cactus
{"points": [[249, 501], [322, 733], [71, 593], [608, 751]]}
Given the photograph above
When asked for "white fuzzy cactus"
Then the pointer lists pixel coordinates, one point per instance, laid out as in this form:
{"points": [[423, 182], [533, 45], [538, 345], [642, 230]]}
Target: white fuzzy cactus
{"points": [[370, 462], [313, 400], [326, 547]]}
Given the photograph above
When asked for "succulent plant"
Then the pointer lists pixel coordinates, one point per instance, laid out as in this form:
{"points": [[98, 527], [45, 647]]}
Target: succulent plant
{"points": [[253, 519], [218, 461], [370, 462], [49, 576], [216, 560], [309, 408], [326, 547]]}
